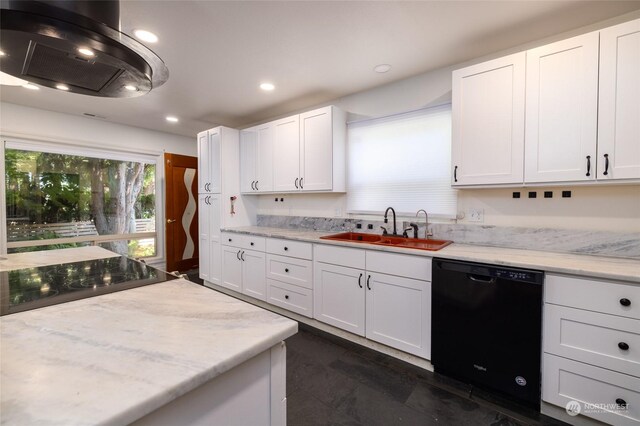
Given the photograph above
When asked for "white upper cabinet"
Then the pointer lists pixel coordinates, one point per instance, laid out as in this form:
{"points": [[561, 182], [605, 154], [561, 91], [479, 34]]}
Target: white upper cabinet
{"points": [[488, 122], [562, 111], [256, 159], [318, 140], [619, 109], [209, 161], [304, 152], [286, 154]]}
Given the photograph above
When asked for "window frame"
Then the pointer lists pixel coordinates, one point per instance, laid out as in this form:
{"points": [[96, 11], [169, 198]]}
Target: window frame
{"points": [[84, 149], [400, 213]]}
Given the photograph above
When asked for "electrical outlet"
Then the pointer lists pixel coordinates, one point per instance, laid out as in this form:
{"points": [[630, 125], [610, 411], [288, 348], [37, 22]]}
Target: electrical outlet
{"points": [[338, 212], [476, 215]]}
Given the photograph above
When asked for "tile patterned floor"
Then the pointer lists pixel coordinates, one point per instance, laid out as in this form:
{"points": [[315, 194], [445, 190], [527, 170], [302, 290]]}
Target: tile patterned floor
{"points": [[331, 381]]}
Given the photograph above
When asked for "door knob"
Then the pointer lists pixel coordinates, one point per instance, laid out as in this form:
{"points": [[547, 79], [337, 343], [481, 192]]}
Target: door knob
{"points": [[170, 220]]}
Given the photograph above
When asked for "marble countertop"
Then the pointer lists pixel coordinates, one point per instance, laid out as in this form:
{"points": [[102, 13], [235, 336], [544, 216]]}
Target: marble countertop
{"points": [[117, 357], [586, 265], [33, 259]]}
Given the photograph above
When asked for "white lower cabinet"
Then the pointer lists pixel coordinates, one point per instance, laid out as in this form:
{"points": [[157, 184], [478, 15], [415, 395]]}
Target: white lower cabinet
{"points": [[209, 237], [590, 341], [389, 309], [244, 271], [291, 297]]}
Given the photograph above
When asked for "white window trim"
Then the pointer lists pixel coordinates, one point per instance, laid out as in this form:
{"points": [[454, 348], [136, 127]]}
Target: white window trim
{"points": [[79, 149]]}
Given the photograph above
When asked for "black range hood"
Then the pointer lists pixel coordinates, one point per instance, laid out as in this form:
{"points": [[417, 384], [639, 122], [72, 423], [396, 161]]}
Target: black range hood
{"points": [[76, 44]]}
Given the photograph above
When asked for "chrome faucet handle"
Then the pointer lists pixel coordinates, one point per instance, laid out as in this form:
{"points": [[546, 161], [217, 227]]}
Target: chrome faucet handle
{"points": [[384, 230]]}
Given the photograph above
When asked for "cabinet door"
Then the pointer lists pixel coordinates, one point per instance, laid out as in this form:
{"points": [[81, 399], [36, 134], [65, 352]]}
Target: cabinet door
{"points": [[231, 268], [204, 174], [488, 122], [254, 273], [286, 154], [338, 297], [619, 112], [264, 158], [248, 152], [316, 150], [215, 137], [215, 259], [561, 110], [399, 313], [204, 211]]}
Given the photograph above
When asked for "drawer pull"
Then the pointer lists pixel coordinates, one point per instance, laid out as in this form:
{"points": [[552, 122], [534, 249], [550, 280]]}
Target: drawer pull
{"points": [[286, 296], [621, 402], [625, 302], [252, 244], [229, 239], [286, 248], [623, 346], [286, 269]]}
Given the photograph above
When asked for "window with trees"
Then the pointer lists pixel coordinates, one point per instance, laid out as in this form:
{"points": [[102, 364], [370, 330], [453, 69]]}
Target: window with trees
{"points": [[62, 199]]}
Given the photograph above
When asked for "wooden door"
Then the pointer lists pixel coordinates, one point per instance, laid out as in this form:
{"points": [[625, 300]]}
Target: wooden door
{"points": [[488, 122], [316, 150], [181, 209], [286, 154], [562, 111], [399, 313], [338, 297], [619, 109]]}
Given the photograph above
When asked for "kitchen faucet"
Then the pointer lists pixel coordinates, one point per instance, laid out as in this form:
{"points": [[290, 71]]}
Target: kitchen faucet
{"points": [[427, 234], [395, 230], [415, 230]]}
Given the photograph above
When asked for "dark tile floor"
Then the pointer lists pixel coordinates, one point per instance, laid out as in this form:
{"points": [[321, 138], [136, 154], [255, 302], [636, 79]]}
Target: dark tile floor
{"points": [[331, 381]]}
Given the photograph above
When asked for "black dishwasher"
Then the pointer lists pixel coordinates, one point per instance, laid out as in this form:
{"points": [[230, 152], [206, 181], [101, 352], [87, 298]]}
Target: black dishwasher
{"points": [[486, 327]]}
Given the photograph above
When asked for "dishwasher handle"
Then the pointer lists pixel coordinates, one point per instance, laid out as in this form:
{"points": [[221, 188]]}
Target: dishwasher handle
{"points": [[483, 280]]}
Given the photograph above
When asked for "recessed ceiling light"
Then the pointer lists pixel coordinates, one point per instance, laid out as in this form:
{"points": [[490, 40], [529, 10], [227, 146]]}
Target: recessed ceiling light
{"points": [[145, 35], [131, 88], [62, 87], [86, 52], [9, 80], [172, 119], [382, 68], [2, 53], [31, 86], [267, 87]]}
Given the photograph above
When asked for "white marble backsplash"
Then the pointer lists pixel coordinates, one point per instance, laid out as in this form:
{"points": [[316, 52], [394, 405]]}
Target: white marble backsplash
{"points": [[601, 243]]}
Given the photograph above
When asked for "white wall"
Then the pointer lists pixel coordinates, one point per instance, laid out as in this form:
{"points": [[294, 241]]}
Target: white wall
{"points": [[22, 122], [31, 123], [615, 208]]}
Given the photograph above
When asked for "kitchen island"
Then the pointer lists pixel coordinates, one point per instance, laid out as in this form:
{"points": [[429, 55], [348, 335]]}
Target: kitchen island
{"points": [[173, 352]]}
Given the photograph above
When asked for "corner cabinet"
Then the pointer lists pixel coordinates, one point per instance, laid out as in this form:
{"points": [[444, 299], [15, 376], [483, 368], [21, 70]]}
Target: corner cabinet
{"points": [[488, 122], [578, 119], [301, 153]]}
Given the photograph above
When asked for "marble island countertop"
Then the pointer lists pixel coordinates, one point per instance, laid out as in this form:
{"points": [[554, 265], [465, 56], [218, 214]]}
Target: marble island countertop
{"points": [[115, 358], [585, 265]]}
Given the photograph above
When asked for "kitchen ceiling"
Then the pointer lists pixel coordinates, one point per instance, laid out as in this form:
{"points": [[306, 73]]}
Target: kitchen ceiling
{"points": [[219, 52]]}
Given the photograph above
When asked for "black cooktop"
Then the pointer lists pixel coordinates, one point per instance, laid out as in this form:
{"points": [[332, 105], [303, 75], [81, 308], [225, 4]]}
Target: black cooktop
{"points": [[31, 288]]}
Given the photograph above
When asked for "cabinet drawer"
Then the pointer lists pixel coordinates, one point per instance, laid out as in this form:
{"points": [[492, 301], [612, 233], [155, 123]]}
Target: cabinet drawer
{"points": [[417, 267], [290, 270], [289, 248], [291, 297], [353, 258], [247, 242], [564, 380], [592, 337], [609, 297]]}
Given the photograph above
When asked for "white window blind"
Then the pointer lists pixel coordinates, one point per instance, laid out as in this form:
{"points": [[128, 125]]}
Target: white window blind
{"points": [[402, 161]]}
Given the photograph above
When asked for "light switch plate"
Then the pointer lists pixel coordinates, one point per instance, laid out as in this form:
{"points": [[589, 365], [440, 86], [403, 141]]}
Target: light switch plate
{"points": [[476, 215]]}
